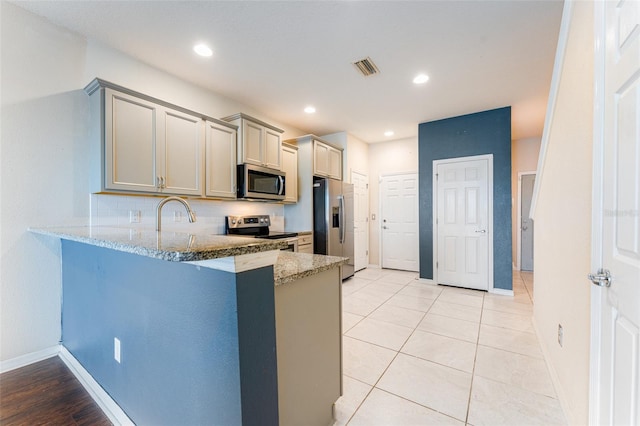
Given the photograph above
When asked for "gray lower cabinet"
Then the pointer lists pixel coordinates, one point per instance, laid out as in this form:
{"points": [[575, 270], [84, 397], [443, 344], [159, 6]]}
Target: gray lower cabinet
{"points": [[309, 348]]}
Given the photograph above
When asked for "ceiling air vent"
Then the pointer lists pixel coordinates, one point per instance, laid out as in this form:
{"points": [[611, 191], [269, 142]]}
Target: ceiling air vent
{"points": [[366, 67]]}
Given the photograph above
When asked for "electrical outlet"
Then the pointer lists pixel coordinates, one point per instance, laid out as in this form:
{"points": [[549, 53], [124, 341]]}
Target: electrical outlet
{"points": [[116, 349], [134, 216], [177, 216], [560, 334]]}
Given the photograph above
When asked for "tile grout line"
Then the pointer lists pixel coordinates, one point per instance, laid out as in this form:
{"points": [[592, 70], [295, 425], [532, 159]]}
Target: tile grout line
{"points": [[473, 370], [385, 370], [374, 385]]}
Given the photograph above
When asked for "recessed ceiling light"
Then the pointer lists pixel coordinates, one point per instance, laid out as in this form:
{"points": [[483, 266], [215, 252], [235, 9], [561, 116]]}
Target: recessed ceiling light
{"points": [[202, 50], [389, 133], [421, 79], [310, 109]]}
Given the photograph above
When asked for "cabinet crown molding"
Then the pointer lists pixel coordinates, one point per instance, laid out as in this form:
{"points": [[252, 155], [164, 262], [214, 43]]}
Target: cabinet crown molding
{"points": [[308, 138], [98, 83], [244, 116]]}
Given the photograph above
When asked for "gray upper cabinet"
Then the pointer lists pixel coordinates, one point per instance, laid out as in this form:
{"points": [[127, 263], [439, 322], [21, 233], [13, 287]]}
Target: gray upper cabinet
{"points": [[220, 154], [290, 167], [259, 143], [327, 160], [150, 146]]}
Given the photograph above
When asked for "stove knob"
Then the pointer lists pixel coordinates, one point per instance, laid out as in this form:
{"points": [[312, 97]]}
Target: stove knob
{"points": [[239, 221], [262, 220], [233, 222]]}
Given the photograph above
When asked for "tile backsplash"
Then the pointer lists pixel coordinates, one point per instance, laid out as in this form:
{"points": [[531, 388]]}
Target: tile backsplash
{"points": [[115, 210]]}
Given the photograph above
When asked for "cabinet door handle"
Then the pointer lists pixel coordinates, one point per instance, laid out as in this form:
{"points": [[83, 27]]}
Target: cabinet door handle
{"points": [[158, 184]]}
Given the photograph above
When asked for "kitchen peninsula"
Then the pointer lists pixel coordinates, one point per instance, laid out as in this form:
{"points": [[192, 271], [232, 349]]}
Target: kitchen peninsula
{"points": [[202, 329]]}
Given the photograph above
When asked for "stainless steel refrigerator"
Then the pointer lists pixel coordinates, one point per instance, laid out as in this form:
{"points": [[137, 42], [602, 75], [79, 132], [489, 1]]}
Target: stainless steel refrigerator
{"points": [[333, 220]]}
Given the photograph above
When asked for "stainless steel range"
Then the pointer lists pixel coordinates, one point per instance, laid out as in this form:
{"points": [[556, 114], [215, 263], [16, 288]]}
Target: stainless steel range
{"points": [[257, 226]]}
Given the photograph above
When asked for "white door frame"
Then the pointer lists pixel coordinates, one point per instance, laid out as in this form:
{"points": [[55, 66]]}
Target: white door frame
{"points": [[380, 248], [434, 196], [519, 220]]}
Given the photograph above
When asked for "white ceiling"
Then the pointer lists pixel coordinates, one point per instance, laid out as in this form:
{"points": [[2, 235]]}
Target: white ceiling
{"points": [[279, 56]]}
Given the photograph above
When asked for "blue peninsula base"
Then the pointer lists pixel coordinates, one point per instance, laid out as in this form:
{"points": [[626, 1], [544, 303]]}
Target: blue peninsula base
{"points": [[197, 345]]}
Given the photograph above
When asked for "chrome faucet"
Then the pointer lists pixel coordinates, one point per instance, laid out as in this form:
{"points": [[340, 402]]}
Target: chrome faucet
{"points": [[192, 216]]}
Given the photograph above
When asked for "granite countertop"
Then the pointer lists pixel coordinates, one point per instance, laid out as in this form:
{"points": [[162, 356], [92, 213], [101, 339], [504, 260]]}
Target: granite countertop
{"points": [[170, 246], [293, 266]]}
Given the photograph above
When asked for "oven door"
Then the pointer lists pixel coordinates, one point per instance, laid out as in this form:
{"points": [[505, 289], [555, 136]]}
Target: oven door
{"points": [[262, 183]]}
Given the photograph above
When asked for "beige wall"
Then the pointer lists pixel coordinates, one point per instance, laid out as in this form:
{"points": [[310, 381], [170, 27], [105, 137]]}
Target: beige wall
{"points": [[386, 158], [524, 158], [44, 128], [563, 223]]}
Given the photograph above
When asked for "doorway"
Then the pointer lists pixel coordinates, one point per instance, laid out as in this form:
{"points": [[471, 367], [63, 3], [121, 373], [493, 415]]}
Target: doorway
{"points": [[360, 183], [615, 242], [524, 236], [399, 225], [463, 225]]}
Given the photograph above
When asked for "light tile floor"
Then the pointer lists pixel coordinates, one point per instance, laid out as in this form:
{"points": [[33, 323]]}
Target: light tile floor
{"points": [[420, 354]]}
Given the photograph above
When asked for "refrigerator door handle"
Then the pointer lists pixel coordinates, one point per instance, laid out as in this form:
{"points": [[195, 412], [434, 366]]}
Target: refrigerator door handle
{"points": [[342, 218]]}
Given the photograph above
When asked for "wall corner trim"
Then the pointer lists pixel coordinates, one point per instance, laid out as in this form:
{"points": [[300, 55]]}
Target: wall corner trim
{"points": [[563, 37], [99, 395], [501, 291]]}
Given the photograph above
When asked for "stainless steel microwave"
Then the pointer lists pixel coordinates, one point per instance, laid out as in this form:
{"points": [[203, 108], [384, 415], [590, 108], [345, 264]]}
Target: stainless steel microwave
{"points": [[262, 183]]}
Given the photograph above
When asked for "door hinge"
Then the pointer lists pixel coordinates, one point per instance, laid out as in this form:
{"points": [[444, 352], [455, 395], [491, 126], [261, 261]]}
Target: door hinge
{"points": [[436, 220], [367, 187], [436, 265], [436, 176], [367, 252]]}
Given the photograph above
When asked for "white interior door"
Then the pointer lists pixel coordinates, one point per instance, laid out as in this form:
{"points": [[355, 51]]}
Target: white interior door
{"points": [[615, 350], [463, 230], [527, 182], [399, 213], [361, 219]]}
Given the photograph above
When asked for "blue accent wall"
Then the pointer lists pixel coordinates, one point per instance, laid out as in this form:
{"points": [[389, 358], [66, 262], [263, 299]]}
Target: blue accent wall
{"points": [[487, 132], [197, 345]]}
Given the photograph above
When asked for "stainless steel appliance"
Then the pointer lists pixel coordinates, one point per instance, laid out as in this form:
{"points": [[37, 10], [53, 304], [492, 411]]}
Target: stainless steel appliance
{"points": [[262, 183], [333, 220], [258, 227]]}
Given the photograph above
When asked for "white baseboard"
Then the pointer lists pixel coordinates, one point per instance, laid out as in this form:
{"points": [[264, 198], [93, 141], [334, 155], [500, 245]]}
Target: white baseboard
{"points": [[555, 379], [501, 291], [24, 360], [99, 395], [370, 266]]}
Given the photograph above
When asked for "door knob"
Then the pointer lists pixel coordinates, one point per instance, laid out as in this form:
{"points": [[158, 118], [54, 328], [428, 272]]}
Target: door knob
{"points": [[602, 278], [524, 228], [384, 227], [482, 231]]}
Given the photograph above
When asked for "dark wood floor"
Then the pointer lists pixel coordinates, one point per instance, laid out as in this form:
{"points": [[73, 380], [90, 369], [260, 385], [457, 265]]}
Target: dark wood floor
{"points": [[46, 393]]}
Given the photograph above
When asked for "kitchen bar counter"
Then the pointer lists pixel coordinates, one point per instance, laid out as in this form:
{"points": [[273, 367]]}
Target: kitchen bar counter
{"points": [[195, 320], [169, 246]]}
